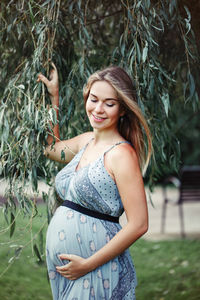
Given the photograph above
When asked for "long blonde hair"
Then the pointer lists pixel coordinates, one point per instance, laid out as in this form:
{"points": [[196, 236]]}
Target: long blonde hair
{"points": [[133, 124]]}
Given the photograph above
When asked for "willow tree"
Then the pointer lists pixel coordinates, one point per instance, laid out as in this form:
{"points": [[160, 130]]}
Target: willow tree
{"points": [[153, 40]]}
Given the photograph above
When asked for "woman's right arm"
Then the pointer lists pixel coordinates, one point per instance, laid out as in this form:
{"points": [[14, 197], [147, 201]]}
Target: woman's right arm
{"points": [[61, 151]]}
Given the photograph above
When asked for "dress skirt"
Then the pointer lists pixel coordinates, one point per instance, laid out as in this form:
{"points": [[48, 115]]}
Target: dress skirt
{"points": [[71, 232]]}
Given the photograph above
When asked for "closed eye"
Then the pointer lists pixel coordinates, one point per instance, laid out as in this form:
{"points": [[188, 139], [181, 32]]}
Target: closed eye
{"points": [[110, 105], [107, 104]]}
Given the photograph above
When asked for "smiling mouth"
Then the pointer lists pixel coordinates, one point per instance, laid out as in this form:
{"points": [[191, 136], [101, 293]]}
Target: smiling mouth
{"points": [[98, 118]]}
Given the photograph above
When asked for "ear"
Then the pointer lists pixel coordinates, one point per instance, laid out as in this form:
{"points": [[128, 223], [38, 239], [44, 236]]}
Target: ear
{"points": [[122, 112]]}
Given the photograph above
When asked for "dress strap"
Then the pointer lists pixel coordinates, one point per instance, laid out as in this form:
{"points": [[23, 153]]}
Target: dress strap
{"points": [[116, 144], [85, 146]]}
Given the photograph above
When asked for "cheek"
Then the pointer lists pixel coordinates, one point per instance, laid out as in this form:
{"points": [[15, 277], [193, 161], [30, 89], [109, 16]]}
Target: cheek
{"points": [[88, 108], [116, 113]]}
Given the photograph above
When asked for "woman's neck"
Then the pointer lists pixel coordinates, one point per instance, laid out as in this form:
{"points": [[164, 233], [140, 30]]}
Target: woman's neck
{"points": [[107, 137]]}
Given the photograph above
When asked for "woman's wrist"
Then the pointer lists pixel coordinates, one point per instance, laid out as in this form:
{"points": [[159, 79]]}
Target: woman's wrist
{"points": [[89, 264], [54, 99], [53, 91]]}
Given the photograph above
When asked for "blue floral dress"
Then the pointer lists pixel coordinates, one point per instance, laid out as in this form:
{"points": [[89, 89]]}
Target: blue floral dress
{"points": [[72, 232]]}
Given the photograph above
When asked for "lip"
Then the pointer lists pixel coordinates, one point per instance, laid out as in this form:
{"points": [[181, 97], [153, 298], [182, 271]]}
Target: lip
{"points": [[98, 119]]}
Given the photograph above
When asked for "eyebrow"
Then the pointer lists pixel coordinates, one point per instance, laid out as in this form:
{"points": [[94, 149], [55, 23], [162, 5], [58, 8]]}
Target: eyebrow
{"points": [[104, 99]]}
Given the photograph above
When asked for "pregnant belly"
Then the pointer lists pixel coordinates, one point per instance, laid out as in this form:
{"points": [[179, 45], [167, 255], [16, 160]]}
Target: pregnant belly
{"points": [[71, 232]]}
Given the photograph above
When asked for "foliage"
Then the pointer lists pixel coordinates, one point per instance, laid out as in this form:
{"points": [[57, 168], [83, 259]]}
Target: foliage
{"points": [[153, 40], [22, 274]]}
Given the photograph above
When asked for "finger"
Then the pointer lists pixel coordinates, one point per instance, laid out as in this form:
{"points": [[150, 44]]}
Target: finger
{"points": [[67, 275], [51, 74], [53, 65], [39, 78], [65, 256], [62, 268], [63, 271], [43, 79], [65, 267]]}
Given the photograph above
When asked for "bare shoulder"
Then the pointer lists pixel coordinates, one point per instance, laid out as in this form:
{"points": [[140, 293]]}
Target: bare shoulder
{"points": [[123, 158], [123, 152], [84, 138]]}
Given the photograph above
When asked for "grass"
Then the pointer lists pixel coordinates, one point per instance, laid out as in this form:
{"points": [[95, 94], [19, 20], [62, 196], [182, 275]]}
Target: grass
{"points": [[167, 270], [26, 276]]}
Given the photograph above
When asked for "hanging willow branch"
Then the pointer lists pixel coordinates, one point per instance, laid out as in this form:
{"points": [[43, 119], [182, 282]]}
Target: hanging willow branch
{"points": [[81, 37]]}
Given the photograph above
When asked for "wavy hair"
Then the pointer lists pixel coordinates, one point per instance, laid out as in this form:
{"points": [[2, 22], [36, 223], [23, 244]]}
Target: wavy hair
{"points": [[132, 126]]}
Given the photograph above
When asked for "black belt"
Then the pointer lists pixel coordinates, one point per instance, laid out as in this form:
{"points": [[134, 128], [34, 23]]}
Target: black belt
{"points": [[90, 212]]}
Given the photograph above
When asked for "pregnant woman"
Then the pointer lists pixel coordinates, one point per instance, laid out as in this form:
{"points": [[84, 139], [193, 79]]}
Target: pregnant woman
{"points": [[87, 249]]}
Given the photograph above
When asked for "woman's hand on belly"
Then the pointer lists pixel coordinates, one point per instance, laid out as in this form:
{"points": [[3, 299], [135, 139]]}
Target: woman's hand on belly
{"points": [[77, 266]]}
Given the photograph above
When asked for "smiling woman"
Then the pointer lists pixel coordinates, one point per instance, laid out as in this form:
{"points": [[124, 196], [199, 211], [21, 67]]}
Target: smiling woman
{"points": [[87, 255], [102, 107], [131, 120]]}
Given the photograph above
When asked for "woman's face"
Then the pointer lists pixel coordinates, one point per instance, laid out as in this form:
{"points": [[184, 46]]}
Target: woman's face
{"points": [[102, 106]]}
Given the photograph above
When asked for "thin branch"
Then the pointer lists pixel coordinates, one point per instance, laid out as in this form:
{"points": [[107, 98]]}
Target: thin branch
{"points": [[186, 52]]}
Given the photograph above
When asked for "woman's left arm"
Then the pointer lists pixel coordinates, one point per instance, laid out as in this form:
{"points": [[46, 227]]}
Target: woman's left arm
{"points": [[125, 168]]}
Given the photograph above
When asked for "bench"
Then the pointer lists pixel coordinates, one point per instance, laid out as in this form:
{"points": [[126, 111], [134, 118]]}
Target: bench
{"points": [[189, 191]]}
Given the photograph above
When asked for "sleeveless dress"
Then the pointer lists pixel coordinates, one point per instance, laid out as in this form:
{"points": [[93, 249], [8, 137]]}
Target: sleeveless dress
{"points": [[72, 232]]}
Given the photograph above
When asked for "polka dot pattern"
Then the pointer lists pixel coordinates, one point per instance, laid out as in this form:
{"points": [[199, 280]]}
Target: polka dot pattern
{"points": [[72, 232], [62, 235], [52, 275]]}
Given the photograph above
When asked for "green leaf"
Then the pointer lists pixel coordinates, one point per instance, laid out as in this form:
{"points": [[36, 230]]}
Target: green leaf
{"points": [[62, 155], [37, 253], [191, 85], [18, 251], [46, 2], [12, 224], [9, 28], [2, 112], [34, 178], [188, 13], [86, 33], [145, 51], [41, 241], [165, 101], [138, 52], [31, 13]]}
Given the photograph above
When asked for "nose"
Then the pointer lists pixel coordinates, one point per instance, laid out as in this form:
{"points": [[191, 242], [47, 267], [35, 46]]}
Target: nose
{"points": [[99, 107]]}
